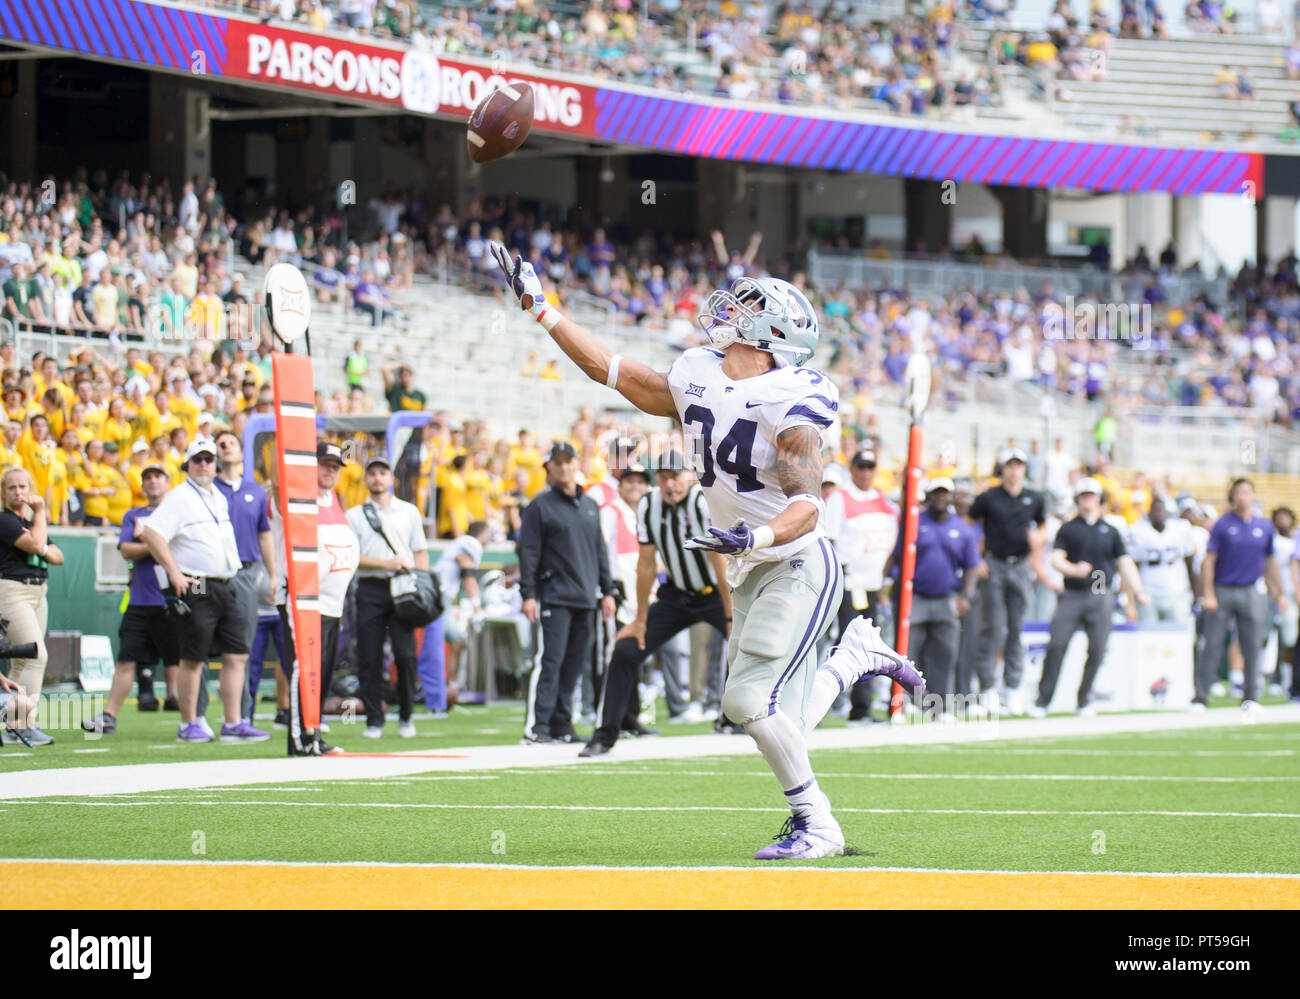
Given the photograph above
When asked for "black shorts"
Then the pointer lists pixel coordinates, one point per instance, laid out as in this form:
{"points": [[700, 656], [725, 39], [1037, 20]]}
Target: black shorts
{"points": [[218, 619], [146, 635]]}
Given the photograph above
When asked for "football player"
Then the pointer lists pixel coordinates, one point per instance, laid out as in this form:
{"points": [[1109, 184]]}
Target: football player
{"points": [[756, 419]]}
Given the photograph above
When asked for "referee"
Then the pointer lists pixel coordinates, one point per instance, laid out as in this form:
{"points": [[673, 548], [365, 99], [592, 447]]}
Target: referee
{"points": [[1087, 552], [667, 517]]}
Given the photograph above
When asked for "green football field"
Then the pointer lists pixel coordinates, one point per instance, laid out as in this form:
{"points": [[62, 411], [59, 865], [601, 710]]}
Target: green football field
{"points": [[1200, 816], [1220, 800]]}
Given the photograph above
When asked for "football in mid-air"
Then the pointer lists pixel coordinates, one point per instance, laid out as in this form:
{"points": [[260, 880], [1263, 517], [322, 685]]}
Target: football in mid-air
{"points": [[500, 123]]}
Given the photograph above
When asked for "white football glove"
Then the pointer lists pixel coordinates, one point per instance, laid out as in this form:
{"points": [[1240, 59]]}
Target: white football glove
{"points": [[521, 279]]}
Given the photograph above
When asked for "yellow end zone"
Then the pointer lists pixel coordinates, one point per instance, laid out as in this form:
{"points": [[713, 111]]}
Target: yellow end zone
{"points": [[144, 885]]}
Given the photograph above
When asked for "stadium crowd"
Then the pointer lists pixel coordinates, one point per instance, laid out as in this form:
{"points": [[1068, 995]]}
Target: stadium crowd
{"points": [[797, 53]]}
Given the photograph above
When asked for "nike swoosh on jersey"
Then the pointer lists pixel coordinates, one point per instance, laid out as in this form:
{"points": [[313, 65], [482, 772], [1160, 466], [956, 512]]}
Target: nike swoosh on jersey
{"points": [[751, 405]]}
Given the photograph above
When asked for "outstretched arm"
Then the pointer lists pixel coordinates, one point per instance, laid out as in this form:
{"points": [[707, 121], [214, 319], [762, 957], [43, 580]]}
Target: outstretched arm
{"points": [[639, 384]]}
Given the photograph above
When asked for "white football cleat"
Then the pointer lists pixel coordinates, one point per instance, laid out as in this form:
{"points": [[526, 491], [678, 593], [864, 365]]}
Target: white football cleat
{"points": [[406, 730], [1196, 707], [1036, 712], [862, 652], [799, 840], [1250, 711], [1087, 711], [1015, 704], [373, 732]]}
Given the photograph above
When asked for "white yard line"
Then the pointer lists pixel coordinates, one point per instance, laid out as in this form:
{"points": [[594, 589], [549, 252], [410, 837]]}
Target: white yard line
{"points": [[126, 779], [444, 806]]}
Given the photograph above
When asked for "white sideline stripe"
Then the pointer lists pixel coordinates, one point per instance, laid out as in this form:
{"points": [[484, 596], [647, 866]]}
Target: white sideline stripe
{"points": [[447, 806], [872, 776], [790, 871], [198, 774]]}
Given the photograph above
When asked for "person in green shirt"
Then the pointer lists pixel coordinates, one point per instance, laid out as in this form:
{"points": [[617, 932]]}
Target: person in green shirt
{"points": [[397, 388], [1105, 432], [355, 366], [19, 291]]}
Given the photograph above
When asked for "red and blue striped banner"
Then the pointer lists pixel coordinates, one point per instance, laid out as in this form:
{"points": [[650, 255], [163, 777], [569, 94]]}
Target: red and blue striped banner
{"points": [[174, 39]]}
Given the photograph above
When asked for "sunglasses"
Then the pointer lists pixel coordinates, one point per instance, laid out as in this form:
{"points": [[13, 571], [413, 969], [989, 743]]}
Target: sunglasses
{"points": [[204, 459], [864, 464]]}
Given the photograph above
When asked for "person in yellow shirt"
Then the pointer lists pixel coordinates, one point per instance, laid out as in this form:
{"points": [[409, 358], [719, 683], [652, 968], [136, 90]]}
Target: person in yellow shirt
{"points": [[183, 403], [47, 377], [77, 422], [204, 320], [117, 428], [1040, 52], [478, 484], [54, 411], [551, 372], [135, 472], [95, 484], [60, 488], [352, 484], [120, 500], [160, 450], [453, 498], [166, 421], [15, 402], [9, 453], [526, 457], [37, 448]]}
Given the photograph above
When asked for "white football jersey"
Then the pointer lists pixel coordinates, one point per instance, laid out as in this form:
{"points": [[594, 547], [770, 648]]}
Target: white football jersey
{"points": [[730, 429], [1159, 555]]}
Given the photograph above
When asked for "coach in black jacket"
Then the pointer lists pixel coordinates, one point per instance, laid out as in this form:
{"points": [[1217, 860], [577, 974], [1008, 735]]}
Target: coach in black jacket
{"points": [[563, 568]]}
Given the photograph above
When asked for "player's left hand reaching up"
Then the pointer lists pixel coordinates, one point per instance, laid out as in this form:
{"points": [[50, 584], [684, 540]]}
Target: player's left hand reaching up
{"points": [[739, 540], [521, 278]]}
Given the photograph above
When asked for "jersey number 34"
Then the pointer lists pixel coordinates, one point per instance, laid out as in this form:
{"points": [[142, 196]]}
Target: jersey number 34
{"points": [[735, 453]]}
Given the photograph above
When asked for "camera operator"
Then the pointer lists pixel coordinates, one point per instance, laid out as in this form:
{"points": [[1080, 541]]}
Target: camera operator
{"points": [[402, 546], [25, 557]]}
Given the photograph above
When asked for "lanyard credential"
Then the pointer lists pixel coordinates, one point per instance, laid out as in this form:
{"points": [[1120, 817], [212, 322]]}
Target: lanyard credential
{"points": [[204, 500]]}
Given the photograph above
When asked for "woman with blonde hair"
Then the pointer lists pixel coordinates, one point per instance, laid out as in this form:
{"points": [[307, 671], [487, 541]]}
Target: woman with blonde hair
{"points": [[25, 557]]}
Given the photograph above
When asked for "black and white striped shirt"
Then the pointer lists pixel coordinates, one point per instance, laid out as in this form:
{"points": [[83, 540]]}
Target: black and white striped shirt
{"points": [[668, 528]]}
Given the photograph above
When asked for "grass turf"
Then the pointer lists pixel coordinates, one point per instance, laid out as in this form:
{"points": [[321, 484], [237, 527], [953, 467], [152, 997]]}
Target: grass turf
{"points": [[940, 806], [150, 737]]}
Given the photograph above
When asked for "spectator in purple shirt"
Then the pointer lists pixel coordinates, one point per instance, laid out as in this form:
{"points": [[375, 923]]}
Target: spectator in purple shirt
{"points": [[147, 632], [943, 586], [368, 297], [1240, 550], [601, 250]]}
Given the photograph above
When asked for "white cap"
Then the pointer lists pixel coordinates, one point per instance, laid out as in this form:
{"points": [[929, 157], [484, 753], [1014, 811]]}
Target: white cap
{"points": [[139, 446], [1087, 485], [1012, 454], [940, 482], [835, 475], [200, 445]]}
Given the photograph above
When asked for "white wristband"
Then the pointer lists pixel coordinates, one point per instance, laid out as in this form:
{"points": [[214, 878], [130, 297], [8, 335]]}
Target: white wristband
{"points": [[763, 537], [810, 498], [611, 379], [549, 318]]}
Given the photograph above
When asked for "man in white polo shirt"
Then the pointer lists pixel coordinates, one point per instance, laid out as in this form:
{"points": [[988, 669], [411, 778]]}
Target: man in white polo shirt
{"points": [[190, 535]]}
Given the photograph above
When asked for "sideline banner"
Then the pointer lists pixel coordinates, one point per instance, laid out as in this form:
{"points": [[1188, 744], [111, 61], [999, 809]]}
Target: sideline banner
{"points": [[388, 74], [1147, 667]]}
